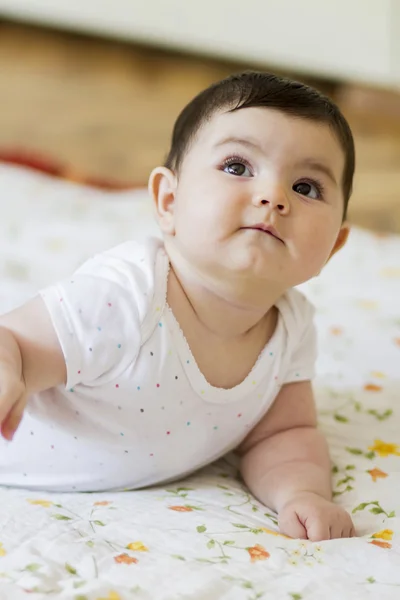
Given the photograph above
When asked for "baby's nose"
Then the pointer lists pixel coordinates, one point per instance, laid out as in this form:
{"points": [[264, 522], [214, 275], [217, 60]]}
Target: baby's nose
{"points": [[275, 198]]}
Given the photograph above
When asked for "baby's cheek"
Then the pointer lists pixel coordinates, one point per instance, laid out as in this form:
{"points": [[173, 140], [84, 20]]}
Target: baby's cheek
{"points": [[319, 245]]}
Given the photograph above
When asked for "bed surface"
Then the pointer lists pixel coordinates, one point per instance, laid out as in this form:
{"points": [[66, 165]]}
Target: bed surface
{"points": [[206, 537]]}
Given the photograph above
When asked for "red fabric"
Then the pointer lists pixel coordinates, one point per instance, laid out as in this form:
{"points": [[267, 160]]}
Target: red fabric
{"points": [[33, 160]]}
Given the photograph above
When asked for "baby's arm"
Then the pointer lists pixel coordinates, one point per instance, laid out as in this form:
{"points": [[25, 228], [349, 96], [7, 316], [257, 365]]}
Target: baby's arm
{"points": [[286, 465], [31, 360]]}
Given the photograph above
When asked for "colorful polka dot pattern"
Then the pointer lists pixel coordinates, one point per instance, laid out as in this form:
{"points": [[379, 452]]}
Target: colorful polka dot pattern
{"points": [[156, 407]]}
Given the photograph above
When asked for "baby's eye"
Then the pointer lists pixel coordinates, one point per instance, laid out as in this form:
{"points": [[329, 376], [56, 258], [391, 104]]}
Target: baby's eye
{"points": [[307, 189], [238, 169]]}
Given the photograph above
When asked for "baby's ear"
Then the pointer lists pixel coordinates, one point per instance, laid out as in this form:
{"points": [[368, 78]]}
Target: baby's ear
{"points": [[341, 238], [162, 188]]}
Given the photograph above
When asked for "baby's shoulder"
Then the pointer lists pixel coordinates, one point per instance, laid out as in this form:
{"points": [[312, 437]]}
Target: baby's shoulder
{"points": [[135, 269], [296, 309], [137, 255]]}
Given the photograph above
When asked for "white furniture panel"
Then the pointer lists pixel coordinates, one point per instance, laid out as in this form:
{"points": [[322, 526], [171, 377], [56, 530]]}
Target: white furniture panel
{"points": [[357, 40]]}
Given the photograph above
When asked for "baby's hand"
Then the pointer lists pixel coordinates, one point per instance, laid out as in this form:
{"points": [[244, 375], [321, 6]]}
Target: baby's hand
{"points": [[12, 400], [309, 516]]}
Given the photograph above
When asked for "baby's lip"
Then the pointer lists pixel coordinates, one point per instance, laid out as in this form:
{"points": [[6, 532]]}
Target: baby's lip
{"points": [[267, 229]]}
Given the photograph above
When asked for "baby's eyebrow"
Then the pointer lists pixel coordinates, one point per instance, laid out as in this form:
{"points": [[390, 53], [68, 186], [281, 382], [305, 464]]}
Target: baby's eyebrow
{"points": [[236, 140], [316, 165]]}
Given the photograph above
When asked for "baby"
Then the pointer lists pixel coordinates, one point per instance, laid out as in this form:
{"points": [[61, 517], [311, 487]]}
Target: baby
{"points": [[156, 358]]}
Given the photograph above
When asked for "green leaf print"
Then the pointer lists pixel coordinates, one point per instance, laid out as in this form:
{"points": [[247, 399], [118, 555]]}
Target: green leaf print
{"points": [[70, 569], [271, 518], [360, 507], [356, 451], [381, 416], [61, 518], [201, 528], [376, 509], [370, 455], [33, 567], [348, 488], [341, 418], [345, 480], [78, 584]]}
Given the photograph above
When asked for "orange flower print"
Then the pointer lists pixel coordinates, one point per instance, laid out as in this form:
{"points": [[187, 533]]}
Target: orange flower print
{"points": [[372, 387], [377, 474], [381, 544], [384, 449], [138, 546], [368, 304], [111, 596], [385, 534], [181, 508], [125, 559], [276, 533], [44, 503], [397, 341], [336, 330], [390, 272], [102, 503], [378, 374], [258, 552]]}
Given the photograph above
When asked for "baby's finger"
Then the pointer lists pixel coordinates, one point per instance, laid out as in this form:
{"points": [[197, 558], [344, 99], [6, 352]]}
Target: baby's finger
{"points": [[317, 530], [10, 392], [337, 531], [7, 402], [13, 419], [348, 532], [290, 525]]}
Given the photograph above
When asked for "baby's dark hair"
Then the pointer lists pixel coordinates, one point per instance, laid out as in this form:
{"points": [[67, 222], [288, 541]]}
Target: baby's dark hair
{"points": [[257, 89]]}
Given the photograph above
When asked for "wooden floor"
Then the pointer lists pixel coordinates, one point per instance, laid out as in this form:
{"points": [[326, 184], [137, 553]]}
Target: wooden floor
{"points": [[107, 109]]}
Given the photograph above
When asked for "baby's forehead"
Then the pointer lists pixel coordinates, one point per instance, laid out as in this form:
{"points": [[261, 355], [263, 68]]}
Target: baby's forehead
{"points": [[263, 126]]}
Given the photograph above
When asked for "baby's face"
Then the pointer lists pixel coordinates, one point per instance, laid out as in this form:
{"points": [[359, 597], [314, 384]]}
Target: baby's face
{"points": [[252, 172]]}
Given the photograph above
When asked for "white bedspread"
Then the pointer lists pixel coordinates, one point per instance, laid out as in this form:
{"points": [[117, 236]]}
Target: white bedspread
{"points": [[206, 537]]}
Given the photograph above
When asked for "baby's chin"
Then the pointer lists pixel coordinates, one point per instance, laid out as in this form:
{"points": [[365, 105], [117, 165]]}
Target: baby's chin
{"points": [[242, 275], [231, 264], [253, 262]]}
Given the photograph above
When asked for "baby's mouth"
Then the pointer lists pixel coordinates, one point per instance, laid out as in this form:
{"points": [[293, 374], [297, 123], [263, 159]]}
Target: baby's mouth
{"points": [[267, 229]]}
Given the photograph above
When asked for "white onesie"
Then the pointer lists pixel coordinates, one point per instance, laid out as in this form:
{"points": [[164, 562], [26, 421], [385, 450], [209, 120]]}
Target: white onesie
{"points": [[136, 410]]}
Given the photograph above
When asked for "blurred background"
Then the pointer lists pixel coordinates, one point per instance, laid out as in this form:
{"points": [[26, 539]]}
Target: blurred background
{"points": [[97, 84]]}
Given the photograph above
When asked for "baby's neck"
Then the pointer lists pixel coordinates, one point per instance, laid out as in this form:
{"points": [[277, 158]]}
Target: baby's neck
{"points": [[226, 338], [222, 317]]}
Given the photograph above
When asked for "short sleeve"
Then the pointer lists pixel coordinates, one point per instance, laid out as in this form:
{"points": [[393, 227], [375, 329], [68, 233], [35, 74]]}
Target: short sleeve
{"points": [[302, 341], [96, 318]]}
